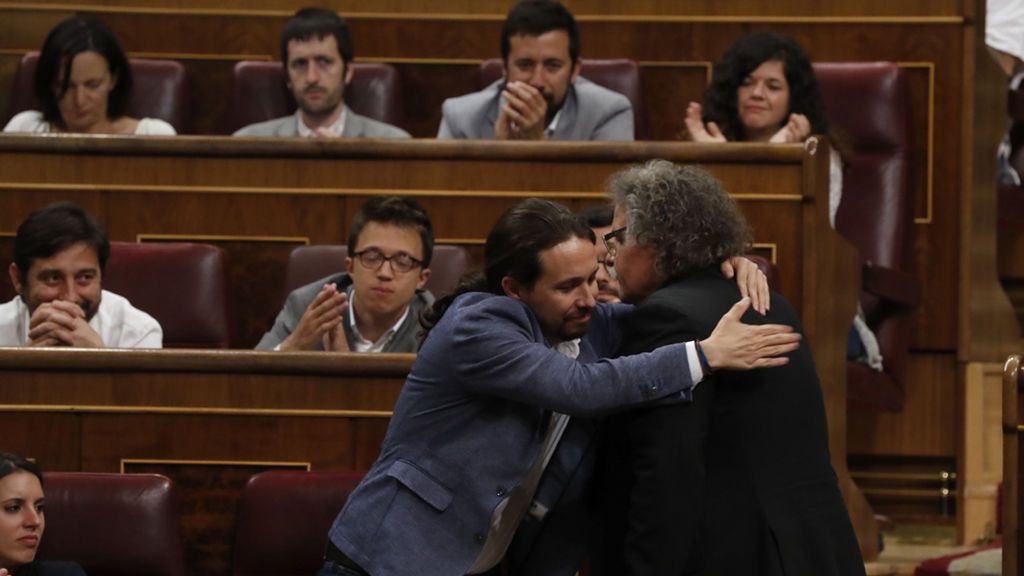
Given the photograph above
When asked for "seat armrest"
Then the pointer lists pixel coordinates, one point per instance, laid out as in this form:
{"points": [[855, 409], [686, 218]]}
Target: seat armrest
{"points": [[891, 284]]}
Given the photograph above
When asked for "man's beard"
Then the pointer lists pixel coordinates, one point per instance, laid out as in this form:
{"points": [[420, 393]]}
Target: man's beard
{"points": [[553, 108], [328, 107]]}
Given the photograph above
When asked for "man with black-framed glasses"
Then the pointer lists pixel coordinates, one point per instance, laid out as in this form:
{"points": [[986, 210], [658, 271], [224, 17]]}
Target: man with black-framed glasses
{"points": [[374, 306]]}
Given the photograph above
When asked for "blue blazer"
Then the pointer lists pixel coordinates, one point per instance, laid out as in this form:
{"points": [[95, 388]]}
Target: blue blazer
{"points": [[469, 423]]}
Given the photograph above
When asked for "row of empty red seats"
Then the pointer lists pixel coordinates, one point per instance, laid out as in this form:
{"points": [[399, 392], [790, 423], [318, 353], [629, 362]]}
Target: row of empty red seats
{"points": [[128, 524]]}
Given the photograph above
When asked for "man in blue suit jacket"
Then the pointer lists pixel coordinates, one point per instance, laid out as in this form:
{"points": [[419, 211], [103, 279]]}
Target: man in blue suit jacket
{"points": [[484, 406]]}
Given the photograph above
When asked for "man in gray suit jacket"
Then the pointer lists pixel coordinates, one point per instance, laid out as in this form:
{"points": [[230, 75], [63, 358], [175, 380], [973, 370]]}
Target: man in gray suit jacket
{"points": [[541, 96], [375, 305], [316, 48], [507, 359]]}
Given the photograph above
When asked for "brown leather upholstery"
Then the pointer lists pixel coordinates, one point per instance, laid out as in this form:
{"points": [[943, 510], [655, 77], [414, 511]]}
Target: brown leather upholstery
{"points": [[309, 263], [113, 524], [161, 90], [258, 93], [867, 106], [622, 76], [182, 285], [283, 520]]}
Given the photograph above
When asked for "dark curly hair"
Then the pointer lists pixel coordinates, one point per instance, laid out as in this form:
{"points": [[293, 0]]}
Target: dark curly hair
{"points": [[742, 58], [683, 213]]}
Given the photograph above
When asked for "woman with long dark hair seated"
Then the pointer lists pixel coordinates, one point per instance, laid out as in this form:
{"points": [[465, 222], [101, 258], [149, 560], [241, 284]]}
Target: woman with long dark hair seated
{"points": [[83, 83], [22, 520]]}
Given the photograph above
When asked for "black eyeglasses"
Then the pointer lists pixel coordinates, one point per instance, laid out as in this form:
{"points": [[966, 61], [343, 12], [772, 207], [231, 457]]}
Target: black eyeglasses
{"points": [[372, 259], [613, 240]]}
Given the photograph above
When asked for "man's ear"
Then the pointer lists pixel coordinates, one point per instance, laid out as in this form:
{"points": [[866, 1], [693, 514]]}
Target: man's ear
{"points": [[349, 70], [575, 71], [348, 265], [512, 287], [12, 270], [424, 276]]}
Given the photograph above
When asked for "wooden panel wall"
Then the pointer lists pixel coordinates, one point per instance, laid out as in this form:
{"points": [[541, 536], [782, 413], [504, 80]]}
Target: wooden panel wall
{"points": [[437, 52], [209, 420], [247, 189], [256, 208], [581, 8], [436, 45]]}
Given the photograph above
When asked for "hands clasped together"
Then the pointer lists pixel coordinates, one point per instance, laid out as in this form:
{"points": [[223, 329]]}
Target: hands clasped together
{"points": [[322, 322], [62, 323], [523, 113]]}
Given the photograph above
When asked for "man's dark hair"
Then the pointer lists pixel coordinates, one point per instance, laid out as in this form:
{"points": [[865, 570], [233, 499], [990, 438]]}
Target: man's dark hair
{"points": [[396, 211], [536, 17], [681, 212], [317, 23], [513, 249], [11, 463], [597, 216], [742, 58], [53, 71], [49, 230]]}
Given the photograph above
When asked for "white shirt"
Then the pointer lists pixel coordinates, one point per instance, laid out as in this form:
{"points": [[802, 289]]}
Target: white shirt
{"points": [[362, 344], [337, 128], [32, 121], [119, 324]]}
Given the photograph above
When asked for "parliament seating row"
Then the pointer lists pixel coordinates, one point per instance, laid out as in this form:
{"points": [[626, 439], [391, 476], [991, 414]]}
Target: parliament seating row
{"points": [[185, 285], [876, 213], [258, 91], [128, 524]]}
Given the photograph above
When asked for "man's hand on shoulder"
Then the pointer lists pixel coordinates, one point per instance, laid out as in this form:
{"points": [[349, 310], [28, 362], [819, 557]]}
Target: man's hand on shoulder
{"points": [[734, 345], [325, 313], [62, 323], [523, 113], [751, 280]]}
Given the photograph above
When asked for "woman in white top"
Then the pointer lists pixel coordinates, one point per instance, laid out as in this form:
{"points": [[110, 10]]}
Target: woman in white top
{"points": [[83, 82]]}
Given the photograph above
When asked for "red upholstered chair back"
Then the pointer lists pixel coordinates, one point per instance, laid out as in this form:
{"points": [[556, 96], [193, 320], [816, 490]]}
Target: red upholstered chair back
{"points": [[182, 285], [283, 520], [113, 524], [161, 90], [309, 263], [259, 93], [867, 105], [622, 76]]}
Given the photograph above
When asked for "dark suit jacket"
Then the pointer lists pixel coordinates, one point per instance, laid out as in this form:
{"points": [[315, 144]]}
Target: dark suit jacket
{"points": [[468, 425], [737, 482]]}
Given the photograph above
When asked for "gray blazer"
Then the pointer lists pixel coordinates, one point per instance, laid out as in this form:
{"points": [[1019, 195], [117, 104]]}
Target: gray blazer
{"points": [[405, 340], [356, 126], [590, 112], [469, 424]]}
